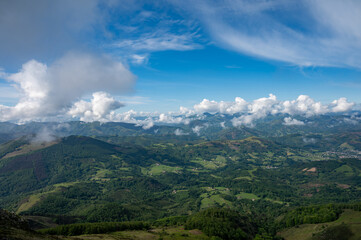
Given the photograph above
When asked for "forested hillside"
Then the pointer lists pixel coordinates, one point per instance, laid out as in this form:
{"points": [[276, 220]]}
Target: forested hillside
{"points": [[272, 182]]}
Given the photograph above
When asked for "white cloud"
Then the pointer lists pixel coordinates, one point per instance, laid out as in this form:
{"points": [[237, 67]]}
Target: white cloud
{"points": [[159, 41], [98, 109], [304, 33], [58, 91], [144, 119], [206, 105], [147, 124], [246, 112], [353, 119], [179, 132], [139, 59], [197, 129], [288, 121], [341, 105], [303, 105], [350, 121], [44, 135], [50, 90], [166, 118], [309, 140], [262, 107]]}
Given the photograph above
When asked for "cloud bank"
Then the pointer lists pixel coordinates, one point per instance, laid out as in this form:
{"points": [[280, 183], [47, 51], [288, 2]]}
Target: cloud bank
{"points": [[53, 92], [262, 107], [244, 113]]}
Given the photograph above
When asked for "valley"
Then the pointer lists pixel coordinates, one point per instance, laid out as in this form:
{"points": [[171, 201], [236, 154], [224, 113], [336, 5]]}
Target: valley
{"points": [[93, 179]]}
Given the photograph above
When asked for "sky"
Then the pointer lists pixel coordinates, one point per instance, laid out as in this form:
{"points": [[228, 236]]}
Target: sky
{"points": [[109, 60]]}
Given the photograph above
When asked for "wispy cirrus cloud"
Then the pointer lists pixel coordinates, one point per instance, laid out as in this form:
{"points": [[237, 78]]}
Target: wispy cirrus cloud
{"points": [[160, 42], [139, 49], [152, 28], [303, 33]]}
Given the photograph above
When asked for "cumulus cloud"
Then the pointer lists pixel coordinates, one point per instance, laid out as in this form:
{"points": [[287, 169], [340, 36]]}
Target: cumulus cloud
{"points": [[144, 118], [147, 124], [197, 129], [51, 90], [206, 105], [262, 107], [179, 132], [303, 105], [259, 108], [59, 90], [245, 113], [100, 108], [167, 118], [341, 105], [288, 121]]}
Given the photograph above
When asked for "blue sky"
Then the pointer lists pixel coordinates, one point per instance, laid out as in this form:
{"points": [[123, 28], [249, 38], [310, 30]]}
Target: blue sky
{"points": [[219, 74], [155, 56]]}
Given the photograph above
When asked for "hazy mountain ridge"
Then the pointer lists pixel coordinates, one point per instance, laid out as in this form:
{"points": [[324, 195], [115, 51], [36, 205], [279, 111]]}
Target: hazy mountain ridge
{"points": [[209, 126]]}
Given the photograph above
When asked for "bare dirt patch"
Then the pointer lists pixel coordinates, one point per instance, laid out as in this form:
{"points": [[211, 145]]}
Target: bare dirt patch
{"points": [[195, 232], [343, 186], [313, 169]]}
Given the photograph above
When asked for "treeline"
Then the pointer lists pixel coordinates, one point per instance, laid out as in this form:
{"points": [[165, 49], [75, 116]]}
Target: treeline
{"points": [[338, 232], [223, 223], [316, 214], [94, 228], [170, 221]]}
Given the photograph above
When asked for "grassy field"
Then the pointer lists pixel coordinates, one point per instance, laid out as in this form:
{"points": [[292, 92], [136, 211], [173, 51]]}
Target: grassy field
{"points": [[12, 233], [172, 233], [213, 197], [101, 175], [35, 198], [305, 231], [244, 178], [247, 196], [27, 148], [211, 164], [157, 169], [345, 169]]}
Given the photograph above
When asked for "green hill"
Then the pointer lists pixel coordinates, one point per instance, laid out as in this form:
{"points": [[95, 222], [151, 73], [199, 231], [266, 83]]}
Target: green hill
{"points": [[346, 227], [80, 179]]}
